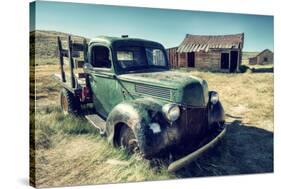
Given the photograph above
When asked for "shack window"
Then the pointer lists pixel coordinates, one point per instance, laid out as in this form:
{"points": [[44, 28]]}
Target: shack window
{"points": [[265, 59], [101, 57], [191, 59], [224, 61]]}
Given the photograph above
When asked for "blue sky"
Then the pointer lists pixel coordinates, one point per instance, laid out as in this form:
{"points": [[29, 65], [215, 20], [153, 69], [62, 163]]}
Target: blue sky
{"points": [[168, 27]]}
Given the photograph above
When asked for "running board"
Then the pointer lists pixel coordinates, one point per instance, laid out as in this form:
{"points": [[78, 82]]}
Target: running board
{"points": [[97, 122]]}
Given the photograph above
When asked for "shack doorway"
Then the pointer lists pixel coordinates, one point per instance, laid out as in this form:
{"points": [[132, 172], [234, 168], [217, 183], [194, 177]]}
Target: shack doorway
{"points": [[191, 59], [233, 61], [224, 60]]}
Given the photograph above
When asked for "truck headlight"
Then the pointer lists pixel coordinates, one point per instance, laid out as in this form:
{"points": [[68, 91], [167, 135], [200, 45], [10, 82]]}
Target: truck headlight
{"points": [[214, 97], [171, 111]]}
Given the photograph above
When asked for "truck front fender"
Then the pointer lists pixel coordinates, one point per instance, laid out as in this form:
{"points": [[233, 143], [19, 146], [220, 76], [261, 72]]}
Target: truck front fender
{"points": [[138, 114]]}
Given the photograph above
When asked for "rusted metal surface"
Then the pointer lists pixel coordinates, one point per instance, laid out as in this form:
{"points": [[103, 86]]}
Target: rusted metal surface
{"points": [[137, 115], [195, 122], [191, 127]]}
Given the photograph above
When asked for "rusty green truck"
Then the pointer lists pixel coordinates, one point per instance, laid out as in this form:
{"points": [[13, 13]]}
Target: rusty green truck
{"points": [[137, 101]]}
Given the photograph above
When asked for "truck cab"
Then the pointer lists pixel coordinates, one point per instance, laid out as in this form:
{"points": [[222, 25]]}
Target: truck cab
{"points": [[110, 58]]}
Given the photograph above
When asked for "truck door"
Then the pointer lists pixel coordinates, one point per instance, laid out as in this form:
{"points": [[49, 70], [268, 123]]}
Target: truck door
{"points": [[106, 90]]}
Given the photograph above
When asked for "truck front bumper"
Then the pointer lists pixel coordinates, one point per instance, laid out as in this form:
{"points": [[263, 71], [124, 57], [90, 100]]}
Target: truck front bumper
{"points": [[184, 161]]}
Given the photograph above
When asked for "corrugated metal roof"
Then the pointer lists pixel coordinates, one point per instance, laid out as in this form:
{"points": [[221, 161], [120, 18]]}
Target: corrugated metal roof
{"points": [[195, 43]]}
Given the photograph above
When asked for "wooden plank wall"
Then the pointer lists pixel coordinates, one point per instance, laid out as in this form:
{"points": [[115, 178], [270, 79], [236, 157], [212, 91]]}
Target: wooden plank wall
{"points": [[203, 60], [208, 60], [172, 57], [182, 58]]}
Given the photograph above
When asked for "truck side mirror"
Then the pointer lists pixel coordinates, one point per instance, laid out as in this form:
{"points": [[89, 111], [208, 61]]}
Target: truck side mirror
{"points": [[87, 67]]}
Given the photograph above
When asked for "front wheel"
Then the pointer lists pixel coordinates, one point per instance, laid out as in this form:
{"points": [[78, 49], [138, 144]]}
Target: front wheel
{"points": [[127, 140]]}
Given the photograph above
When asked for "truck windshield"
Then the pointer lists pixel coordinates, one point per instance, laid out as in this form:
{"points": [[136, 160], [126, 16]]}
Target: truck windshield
{"points": [[138, 58]]}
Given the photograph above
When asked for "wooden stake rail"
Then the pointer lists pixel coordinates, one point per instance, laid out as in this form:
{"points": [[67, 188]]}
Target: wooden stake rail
{"points": [[72, 52]]}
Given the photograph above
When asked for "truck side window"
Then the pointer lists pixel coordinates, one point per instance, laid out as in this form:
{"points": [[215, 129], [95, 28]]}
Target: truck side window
{"points": [[100, 57]]}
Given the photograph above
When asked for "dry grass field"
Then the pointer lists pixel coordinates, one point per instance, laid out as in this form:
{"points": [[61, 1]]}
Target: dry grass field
{"points": [[69, 151]]}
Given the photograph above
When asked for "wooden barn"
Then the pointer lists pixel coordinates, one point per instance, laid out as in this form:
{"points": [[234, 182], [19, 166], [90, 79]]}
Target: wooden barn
{"points": [[210, 52], [263, 58]]}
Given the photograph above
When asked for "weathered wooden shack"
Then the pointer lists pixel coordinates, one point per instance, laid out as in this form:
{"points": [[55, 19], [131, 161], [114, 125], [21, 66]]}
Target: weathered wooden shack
{"points": [[263, 58], [210, 52]]}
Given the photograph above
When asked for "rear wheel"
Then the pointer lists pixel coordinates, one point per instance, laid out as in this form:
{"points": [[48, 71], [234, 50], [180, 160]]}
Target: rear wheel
{"points": [[69, 103], [127, 139]]}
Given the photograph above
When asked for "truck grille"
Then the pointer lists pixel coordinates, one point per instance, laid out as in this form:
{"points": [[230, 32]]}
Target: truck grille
{"points": [[153, 91], [195, 122]]}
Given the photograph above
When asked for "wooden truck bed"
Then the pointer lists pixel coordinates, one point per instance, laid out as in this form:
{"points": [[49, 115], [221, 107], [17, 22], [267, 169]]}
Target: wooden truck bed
{"points": [[76, 81], [72, 80], [81, 82]]}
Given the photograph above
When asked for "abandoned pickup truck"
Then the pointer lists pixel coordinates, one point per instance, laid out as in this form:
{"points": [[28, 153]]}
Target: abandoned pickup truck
{"points": [[136, 100]]}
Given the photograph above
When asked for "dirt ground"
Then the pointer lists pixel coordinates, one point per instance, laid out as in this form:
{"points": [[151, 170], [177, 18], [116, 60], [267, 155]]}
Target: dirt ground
{"points": [[75, 159]]}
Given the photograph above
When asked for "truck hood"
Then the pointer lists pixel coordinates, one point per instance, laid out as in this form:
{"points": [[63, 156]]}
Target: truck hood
{"points": [[169, 79], [175, 86]]}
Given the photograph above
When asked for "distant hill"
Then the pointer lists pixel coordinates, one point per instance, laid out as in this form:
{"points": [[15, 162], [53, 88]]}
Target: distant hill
{"points": [[43, 44]]}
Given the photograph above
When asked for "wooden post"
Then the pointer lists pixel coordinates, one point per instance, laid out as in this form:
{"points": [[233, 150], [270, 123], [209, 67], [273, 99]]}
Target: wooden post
{"points": [[238, 61], [71, 64], [61, 60], [85, 50], [229, 60]]}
